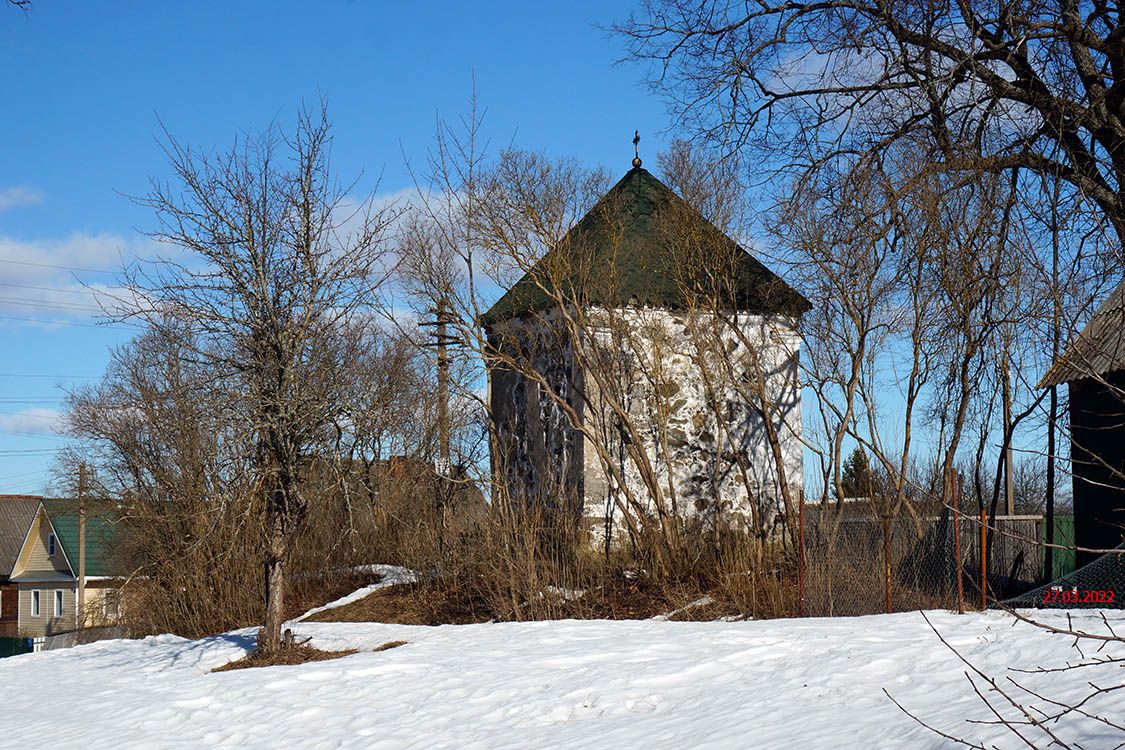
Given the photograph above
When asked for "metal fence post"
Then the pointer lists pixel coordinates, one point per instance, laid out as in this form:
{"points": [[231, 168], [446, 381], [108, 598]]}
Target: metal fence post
{"points": [[958, 564], [983, 559], [887, 596]]}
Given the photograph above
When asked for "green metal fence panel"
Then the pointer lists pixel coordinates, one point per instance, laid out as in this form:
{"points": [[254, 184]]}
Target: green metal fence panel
{"points": [[14, 646], [1064, 558]]}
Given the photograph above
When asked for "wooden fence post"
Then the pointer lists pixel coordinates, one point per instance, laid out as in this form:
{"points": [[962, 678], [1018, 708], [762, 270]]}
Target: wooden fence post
{"points": [[800, 554]]}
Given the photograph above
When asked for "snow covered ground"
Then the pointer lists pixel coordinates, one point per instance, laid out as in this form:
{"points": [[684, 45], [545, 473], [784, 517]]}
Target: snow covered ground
{"points": [[812, 683]]}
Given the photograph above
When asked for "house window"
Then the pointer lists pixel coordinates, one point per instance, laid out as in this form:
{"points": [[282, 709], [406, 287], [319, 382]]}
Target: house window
{"points": [[51, 544], [58, 602], [34, 603]]}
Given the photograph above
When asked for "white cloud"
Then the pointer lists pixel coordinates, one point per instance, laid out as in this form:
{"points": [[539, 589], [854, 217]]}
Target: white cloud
{"points": [[98, 252], [38, 421], [75, 278], [388, 207], [63, 279], [19, 195]]}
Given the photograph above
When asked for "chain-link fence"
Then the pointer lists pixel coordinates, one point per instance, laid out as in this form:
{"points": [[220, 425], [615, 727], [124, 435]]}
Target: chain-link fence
{"points": [[1100, 585], [856, 562]]}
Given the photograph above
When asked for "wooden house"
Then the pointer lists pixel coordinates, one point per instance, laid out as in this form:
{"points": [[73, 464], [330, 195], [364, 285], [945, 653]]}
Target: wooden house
{"points": [[64, 572]]}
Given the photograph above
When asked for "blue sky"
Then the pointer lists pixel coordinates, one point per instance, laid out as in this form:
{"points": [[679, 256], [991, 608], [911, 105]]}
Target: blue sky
{"points": [[85, 83]]}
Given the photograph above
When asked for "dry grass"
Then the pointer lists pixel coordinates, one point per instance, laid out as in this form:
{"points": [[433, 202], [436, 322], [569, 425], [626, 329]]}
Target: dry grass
{"points": [[411, 604], [497, 564], [616, 596], [284, 657], [389, 645], [312, 591], [610, 596]]}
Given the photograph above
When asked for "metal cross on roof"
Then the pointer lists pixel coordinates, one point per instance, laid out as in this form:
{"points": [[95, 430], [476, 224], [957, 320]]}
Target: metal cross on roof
{"points": [[636, 148]]}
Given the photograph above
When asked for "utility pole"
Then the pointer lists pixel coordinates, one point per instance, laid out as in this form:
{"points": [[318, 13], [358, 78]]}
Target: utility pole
{"points": [[80, 611], [1009, 481], [441, 340], [443, 386], [983, 559], [958, 569]]}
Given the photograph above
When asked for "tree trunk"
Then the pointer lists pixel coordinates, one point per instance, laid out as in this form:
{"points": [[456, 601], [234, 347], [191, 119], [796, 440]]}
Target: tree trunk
{"points": [[1053, 413], [1009, 463], [269, 637], [1049, 550]]}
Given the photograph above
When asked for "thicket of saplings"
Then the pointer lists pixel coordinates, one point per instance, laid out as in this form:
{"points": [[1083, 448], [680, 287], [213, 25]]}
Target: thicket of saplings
{"points": [[197, 562], [198, 570]]}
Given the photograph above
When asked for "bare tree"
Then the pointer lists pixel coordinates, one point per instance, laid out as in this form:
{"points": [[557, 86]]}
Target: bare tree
{"points": [[1032, 85], [170, 447], [271, 260]]}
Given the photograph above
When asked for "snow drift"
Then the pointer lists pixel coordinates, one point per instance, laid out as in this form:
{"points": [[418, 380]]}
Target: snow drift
{"points": [[811, 683]]}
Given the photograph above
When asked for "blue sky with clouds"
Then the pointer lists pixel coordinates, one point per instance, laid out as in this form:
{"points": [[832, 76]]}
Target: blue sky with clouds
{"points": [[85, 86]]}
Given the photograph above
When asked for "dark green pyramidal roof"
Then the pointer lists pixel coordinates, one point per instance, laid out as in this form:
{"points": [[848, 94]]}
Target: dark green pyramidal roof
{"points": [[643, 245]]}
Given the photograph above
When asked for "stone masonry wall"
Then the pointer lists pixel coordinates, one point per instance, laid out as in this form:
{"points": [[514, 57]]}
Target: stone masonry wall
{"points": [[689, 391]]}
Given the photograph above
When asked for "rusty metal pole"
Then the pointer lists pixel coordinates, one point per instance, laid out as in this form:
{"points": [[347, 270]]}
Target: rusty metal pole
{"points": [[957, 564], [983, 559], [887, 595], [800, 554]]}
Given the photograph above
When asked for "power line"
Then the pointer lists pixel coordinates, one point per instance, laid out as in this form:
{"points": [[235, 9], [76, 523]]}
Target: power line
{"points": [[56, 289], [25, 476], [52, 265], [40, 435], [69, 323], [43, 375], [29, 487], [29, 401], [55, 305]]}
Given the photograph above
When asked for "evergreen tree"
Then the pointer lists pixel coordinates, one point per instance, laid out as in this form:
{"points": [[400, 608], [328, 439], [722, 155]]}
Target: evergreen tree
{"points": [[856, 478]]}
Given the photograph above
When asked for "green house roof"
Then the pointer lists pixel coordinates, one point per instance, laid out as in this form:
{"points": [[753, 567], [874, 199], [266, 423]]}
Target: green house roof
{"points": [[101, 533], [642, 244]]}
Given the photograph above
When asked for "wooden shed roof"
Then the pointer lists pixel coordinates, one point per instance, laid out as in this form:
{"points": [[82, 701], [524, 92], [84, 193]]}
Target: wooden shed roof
{"points": [[1098, 349]]}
